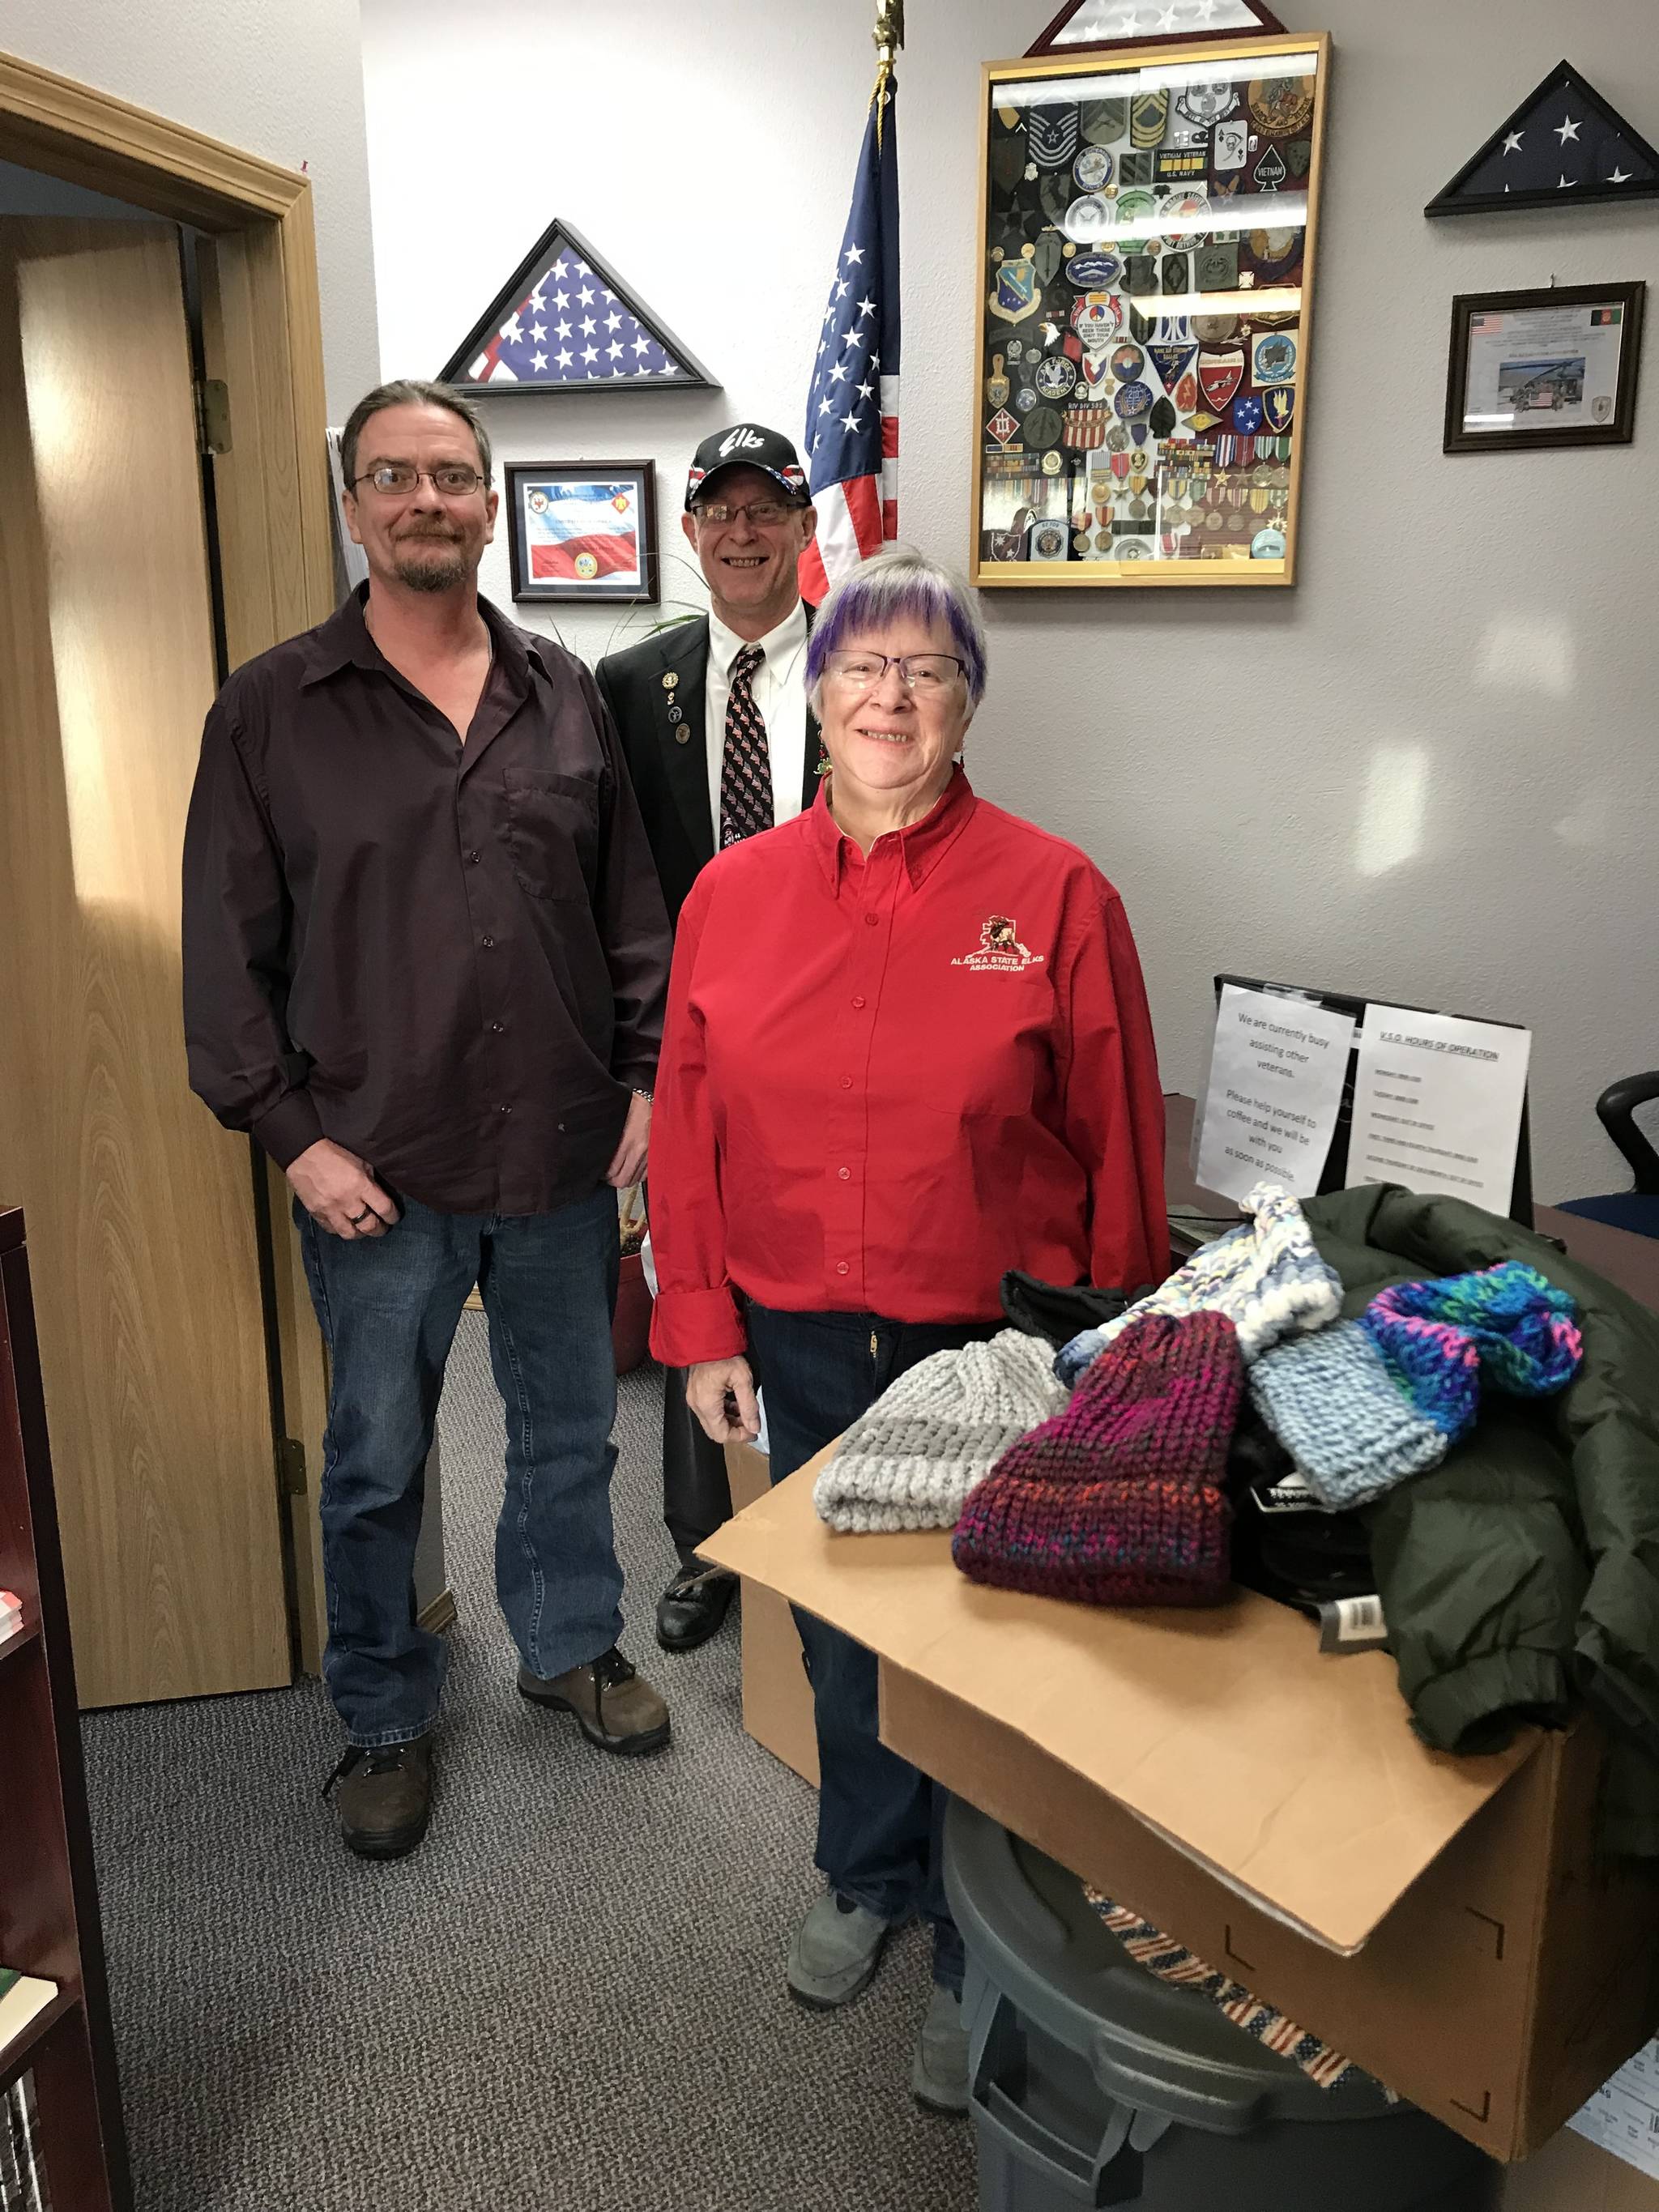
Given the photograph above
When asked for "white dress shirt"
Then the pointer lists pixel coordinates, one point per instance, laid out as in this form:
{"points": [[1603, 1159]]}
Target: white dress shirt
{"points": [[780, 688]]}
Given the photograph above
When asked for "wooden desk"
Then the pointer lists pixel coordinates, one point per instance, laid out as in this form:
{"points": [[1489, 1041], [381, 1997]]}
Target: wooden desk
{"points": [[1632, 1262]]}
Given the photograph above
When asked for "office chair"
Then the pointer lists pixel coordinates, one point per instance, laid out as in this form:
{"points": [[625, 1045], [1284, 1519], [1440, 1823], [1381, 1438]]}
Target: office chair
{"points": [[1638, 1209]]}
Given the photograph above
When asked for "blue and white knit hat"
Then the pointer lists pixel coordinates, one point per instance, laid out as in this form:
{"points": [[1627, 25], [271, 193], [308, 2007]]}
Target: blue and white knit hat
{"points": [[1265, 1276]]}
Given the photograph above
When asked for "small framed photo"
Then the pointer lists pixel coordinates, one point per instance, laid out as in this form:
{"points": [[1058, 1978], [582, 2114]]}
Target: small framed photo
{"points": [[1532, 370], [583, 530]]}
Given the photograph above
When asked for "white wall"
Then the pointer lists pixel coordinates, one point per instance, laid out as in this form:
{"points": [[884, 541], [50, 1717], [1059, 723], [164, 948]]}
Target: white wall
{"points": [[1481, 630], [281, 78]]}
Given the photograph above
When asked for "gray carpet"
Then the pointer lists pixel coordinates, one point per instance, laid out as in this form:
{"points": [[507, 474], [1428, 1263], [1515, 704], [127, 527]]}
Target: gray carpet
{"points": [[571, 1997]]}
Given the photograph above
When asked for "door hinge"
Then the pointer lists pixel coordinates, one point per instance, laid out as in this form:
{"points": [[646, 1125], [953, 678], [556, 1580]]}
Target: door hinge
{"points": [[291, 1467], [212, 416]]}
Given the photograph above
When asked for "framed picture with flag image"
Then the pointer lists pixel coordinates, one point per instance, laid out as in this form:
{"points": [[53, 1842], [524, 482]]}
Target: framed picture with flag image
{"points": [[583, 530], [1543, 368], [1147, 224]]}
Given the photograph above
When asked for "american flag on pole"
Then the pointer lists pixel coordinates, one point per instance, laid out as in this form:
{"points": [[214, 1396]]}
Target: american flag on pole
{"points": [[851, 408]]}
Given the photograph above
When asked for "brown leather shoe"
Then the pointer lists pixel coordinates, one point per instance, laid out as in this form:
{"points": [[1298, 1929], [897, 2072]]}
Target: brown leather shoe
{"points": [[615, 1708], [384, 1797]]}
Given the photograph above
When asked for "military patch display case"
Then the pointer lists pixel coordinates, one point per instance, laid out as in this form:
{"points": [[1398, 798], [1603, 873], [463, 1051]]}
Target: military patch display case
{"points": [[1147, 221]]}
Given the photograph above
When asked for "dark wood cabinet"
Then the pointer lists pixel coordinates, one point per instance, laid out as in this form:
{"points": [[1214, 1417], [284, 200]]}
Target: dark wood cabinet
{"points": [[49, 1922]]}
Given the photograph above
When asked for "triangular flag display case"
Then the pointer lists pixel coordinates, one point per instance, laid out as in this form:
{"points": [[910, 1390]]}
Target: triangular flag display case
{"points": [[1085, 26], [564, 322], [1563, 144]]}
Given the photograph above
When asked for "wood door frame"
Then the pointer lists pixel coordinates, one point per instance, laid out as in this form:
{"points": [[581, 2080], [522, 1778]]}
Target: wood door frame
{"points": [[263, 333]]}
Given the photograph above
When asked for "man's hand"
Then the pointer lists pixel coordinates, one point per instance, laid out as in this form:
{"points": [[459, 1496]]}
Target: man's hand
{"points": [[707, 1386], [339, 1192], [627, 1164]]}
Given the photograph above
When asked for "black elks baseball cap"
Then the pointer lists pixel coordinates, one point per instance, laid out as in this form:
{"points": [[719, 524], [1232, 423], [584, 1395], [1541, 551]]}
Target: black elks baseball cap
{"points": [[750, 446]]}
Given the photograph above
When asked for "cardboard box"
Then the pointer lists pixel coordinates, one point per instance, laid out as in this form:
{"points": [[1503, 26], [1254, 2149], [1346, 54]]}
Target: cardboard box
{"points": [[1441, 1920], [777, 1696], [1571, 2175]]}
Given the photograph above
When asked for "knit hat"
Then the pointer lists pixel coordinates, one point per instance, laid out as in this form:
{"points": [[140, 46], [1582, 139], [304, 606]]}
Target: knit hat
{"points": [[1265, 1276], [1361, 1406], [909, 1462], [1522, 1330], [1332, 1402], [1117, 1500]]}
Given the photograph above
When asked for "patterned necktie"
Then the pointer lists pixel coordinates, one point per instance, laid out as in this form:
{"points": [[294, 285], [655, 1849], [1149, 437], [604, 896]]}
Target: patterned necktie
{"points": [[745, 762]]}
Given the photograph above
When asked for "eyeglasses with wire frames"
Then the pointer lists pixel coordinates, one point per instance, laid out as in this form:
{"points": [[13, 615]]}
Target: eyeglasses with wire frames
{"points": [[927, 674], [763, 512], [450, 479]]}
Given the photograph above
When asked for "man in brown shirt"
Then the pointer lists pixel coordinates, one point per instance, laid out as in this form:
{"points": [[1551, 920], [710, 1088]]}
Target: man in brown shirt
{"points": [[425, 960]]}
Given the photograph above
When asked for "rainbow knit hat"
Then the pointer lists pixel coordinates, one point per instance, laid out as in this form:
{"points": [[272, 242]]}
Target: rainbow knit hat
{"points": [[1118, 1499], [1362, 1406]]}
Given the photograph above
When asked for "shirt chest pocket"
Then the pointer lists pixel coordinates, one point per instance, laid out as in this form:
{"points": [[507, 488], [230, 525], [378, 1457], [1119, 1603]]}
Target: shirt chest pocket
{"points": [[553, 834]]}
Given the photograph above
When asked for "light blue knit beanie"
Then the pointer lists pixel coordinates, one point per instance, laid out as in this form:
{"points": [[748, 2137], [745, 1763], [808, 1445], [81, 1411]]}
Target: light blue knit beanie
{"points": [[1332, 1403]]}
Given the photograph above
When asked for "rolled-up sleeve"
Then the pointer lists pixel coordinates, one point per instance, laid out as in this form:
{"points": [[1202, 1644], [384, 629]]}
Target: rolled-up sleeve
{"points": [[632, 916], [1112, 1100], [696, 1317], [237, 921]]}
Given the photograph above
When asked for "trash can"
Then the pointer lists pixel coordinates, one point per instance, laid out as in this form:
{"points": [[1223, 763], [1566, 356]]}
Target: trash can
{"points": [[1095, 2083]]}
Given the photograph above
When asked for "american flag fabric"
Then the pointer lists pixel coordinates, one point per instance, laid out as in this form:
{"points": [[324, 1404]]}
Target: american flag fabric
{"points": [[853, 405], [571, 327], [1562, 140]]}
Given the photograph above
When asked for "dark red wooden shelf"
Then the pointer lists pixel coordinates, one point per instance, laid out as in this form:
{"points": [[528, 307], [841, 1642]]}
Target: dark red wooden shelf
{"points": [[49, 1919]]}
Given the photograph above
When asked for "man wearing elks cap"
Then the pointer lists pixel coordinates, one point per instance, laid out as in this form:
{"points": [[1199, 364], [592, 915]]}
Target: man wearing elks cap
{"points": [[720, 743]]}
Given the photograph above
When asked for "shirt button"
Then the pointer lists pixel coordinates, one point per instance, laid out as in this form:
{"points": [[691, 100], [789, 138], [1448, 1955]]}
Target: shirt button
{"points": [[845, 1174], [486, 941], [841, 1267], [497, 1027], [503, 1109], [859, 1002], [847, 1082], [872, 921], [473, 858]]}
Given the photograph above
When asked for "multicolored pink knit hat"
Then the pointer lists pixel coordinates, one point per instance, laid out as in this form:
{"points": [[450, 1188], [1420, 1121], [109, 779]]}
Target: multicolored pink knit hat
{"points": [[1117, 1500]]}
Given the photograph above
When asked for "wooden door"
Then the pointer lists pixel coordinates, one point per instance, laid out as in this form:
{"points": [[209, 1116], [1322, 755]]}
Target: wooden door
{"points": [[140, 1212]]}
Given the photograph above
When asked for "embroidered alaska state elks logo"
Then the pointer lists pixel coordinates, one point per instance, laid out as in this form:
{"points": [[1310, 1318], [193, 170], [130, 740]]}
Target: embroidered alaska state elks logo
{"points": [[998, 948]]}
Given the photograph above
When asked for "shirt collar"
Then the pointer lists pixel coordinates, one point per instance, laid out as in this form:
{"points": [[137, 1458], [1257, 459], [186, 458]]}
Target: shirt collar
{"points": [[922, 845], [343, 642], [724, 645]]}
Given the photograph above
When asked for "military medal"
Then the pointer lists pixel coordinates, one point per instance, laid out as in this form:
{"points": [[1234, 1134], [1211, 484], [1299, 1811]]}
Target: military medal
{"points": [[996, 385]]}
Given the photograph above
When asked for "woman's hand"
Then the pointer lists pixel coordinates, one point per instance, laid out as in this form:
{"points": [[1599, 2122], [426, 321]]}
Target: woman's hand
{"points": [[722, 1393]]}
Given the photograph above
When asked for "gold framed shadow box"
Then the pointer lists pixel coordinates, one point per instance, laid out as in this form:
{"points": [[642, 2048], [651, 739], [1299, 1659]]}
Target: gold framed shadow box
{"points": [[1147, 223]]}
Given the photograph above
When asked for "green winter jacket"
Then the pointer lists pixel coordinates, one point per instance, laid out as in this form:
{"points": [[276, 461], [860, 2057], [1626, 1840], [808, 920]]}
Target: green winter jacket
{"points": [[1522, 1573]]}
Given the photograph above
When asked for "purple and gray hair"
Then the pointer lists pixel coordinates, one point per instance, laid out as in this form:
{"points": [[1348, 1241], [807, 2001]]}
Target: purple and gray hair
{"points": [[898, 585]]}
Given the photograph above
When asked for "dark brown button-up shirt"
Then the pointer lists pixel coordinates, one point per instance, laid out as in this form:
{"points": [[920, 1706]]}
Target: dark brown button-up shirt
{"points": [[450, 959]]}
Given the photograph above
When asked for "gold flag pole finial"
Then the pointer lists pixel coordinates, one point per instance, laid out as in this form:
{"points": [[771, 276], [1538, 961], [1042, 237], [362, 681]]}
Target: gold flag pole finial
{"points": [[889, 36]]}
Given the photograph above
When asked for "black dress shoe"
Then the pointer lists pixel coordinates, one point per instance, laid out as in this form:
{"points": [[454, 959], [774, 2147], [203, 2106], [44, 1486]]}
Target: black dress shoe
{"points": [[692, 1608]]}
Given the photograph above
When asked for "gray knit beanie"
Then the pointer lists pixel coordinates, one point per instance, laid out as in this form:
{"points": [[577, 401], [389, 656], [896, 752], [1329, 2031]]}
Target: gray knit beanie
{"points": [[1333, 1405], [910, 1461]]}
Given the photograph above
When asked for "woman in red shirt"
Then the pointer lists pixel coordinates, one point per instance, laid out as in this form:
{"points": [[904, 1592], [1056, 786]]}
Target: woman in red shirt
{"points": [[908, 1048]]}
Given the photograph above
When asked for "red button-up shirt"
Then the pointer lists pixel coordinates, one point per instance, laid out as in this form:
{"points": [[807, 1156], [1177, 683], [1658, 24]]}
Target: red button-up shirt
{"points": [[885, 1080]]}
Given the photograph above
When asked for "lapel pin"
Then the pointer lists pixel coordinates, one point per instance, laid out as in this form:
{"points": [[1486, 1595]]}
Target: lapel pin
{"points": [[670, 681]]}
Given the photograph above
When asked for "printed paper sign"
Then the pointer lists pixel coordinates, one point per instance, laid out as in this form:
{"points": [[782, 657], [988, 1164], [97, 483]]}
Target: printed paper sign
{"points": [[1438, 1105], [1275, 1085], [1623, 2115]]}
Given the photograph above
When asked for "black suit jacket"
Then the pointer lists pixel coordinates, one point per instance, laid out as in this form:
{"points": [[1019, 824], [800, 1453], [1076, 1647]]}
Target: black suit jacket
{"points": [[668, 761]]}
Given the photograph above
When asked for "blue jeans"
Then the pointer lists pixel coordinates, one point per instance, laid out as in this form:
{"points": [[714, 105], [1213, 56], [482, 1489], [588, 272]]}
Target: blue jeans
{"points": [[388, 1308], [881, 1821]]}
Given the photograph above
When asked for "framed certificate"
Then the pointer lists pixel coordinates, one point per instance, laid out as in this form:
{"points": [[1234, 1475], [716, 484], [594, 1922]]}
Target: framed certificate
{"points": [[1539, 369], [582, 529], [1147, 221]]}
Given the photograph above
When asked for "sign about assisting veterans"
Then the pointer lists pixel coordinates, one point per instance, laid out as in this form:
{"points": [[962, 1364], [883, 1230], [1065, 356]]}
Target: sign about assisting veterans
{"points": [[1275, 1087]]}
